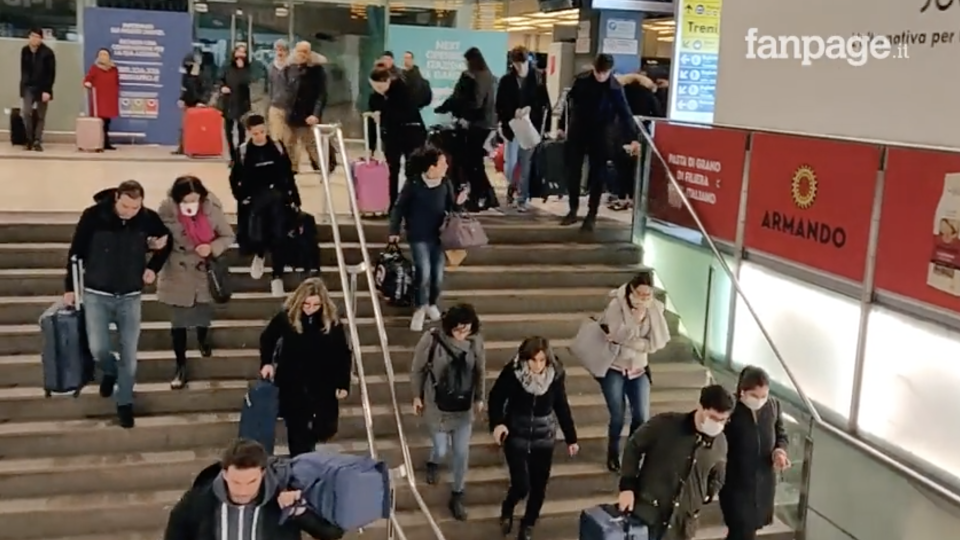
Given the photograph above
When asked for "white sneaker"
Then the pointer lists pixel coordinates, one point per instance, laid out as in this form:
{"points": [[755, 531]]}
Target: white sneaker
{"points": [[433, 312], [416, 322], [276, 288], [256, 268]]}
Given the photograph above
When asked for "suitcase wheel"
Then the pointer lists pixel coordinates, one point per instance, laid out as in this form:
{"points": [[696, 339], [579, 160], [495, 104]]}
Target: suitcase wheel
{"points": [[47, 393]]}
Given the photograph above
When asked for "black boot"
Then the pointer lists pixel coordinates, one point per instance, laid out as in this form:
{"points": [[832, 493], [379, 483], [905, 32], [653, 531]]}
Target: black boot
{"points": [[506, 519], [106, 385], [525, 533], [589, 223], [457, 509], [433, 472], [613, 460], [569, 219], [125, 416], [203, 339]]}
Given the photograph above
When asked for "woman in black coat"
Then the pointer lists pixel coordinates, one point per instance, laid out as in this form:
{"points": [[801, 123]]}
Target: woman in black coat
{"points": [[757, 451], [304, 350], [235, 97], [526, 404]]}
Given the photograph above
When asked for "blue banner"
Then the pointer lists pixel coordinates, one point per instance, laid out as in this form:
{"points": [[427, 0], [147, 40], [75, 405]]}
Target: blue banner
{"points": [[439, 54], [148, 48], [620, 37]]}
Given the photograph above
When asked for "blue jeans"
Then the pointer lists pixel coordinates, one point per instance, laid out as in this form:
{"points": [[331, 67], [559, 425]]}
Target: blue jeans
{"points": [[512, 153], [459, 439], [617, 389], [100, 310], [428, 262]]}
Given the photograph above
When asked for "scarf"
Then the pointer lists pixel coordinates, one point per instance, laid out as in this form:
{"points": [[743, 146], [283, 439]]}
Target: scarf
{"points": [[536, 384], [106, 66], [659, 331], [197, 228]]}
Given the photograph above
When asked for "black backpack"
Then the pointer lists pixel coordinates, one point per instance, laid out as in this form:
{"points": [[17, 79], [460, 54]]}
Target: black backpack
{"points": [[394, 277], [453, 390]]}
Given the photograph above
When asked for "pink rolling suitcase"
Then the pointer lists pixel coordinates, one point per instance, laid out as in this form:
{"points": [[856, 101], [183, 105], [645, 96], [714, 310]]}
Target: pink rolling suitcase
{"points": [[371, 176], [89, 130]]}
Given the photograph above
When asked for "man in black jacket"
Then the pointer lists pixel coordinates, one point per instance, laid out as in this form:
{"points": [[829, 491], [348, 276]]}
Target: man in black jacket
{"points": [[419, 86], [595, 101], [308, 91], [674, 464], [400, 122], [240, 498], [112, 240], [38, 71]]}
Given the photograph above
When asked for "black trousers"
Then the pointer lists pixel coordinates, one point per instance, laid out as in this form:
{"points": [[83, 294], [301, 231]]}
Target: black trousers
{"points": [[300, 436], [398, 145], [598, 155], [626, 167], [106, 133], [529, 475], [471, 161], [739, 533], [228, 128]]}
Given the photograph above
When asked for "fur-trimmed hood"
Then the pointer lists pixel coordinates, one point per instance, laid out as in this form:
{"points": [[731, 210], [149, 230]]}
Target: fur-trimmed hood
{"points": [[636, 78], [316, 59]]}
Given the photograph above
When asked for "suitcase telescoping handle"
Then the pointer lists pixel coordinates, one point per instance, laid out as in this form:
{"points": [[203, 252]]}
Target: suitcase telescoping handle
{"points": [[76, 274], [91, 97], [372, 154]]}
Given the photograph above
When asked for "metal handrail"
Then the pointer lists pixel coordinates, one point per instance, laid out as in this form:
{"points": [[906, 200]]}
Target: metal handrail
{"points": [[367, 268], [808, 403], [350, 310]]}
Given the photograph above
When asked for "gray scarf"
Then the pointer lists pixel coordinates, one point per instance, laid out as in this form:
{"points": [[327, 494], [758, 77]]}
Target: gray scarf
{"points": [[535, 383]]}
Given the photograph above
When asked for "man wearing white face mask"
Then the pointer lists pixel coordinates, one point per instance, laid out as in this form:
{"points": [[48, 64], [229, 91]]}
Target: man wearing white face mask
{"points": [[758, 451], [674, 464]]}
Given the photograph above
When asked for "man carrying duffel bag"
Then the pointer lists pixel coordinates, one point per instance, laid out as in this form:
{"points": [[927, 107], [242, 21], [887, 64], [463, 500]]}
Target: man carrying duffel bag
{"points": [[243, 493]]}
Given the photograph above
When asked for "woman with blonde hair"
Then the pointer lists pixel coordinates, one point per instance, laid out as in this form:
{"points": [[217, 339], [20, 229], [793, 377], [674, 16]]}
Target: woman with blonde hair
{"points": [[304, 350]]}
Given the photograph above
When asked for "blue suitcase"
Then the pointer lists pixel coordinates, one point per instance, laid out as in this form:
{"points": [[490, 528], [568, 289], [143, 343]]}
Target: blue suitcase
{"points": [[258, 417], [66, 361], [606, 522]]}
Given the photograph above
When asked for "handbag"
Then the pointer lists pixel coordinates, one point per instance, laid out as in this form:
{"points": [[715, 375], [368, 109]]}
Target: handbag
{"points": [[218, 279], [461, 231], [591, 347]]}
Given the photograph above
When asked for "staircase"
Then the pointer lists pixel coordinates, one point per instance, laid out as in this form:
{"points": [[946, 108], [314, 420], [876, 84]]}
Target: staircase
{"points": [[66, 472]]}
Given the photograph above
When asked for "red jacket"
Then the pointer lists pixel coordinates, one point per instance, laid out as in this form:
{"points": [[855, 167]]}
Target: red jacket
{"points": [[106, 87]]}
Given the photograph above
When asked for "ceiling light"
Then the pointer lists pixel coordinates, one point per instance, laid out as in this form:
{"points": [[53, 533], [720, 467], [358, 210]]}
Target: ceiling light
{"points": [[522, 28], [665, 39]]}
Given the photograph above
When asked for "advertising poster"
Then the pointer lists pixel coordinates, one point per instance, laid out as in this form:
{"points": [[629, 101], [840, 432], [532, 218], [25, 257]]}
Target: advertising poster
{"points": [[810, 201], [148, 48], [696, 57], [708, 163], [918, 249], [439, 54], [620, 38]]}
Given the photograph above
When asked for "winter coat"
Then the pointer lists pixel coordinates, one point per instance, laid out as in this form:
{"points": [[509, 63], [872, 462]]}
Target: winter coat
{"points": [[104, 97], [514, 93], [747, 495], [399, 116], [473, 100], [197, 515], [419, 87], [183, 280], [529, 418], [308, 90], [310, 367], [38, 70], [669, 487], [422, 382], [193, 83], [641, 94], [593, 109], [237, 103]]}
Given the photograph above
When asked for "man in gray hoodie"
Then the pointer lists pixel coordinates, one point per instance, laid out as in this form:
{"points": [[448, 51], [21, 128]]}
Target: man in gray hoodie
{"points": [[278, 90]]}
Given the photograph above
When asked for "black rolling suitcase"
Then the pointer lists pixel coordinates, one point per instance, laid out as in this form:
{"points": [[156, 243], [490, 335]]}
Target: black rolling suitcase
{"points": [[66, 360], [18, 130]]}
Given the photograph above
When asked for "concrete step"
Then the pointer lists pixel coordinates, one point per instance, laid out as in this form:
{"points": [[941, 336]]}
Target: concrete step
{"points": [[499, 229], [226, 364], [255, 305], [531, 275], [185, 431], [28, 404], [244, 334], [54, 255]]}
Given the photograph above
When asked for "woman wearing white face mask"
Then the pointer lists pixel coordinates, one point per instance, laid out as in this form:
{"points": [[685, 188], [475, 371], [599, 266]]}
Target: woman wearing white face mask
{"points": [[198, 230], [757, 445], [634, 320]]}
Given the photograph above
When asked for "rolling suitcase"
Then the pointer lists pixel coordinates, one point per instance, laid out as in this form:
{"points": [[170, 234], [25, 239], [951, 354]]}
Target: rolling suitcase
{"points": [[606, 522], [66, 361], [371, 177], [89, 130], [202, 132], [549, 175], [18, 129]]}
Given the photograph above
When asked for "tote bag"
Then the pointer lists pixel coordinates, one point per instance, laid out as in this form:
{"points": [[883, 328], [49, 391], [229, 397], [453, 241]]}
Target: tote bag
{"points": [[592, 349], [461, 231]]}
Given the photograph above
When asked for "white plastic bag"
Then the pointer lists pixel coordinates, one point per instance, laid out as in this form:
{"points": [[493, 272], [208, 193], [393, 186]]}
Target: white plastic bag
{"points": [[524, 132]]}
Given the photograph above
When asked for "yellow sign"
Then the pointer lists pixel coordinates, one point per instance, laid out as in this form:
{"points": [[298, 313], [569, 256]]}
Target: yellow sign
{"points": [[699, 27]]}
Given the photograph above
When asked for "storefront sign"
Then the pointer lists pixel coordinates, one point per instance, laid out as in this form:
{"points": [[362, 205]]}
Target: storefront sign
{"points": [[810, 201], [918, 250], [148, 48], [708, 163]]}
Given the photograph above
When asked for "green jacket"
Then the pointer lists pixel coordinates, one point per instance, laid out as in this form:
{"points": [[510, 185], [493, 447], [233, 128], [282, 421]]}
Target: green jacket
{"points": [[673, 471]]}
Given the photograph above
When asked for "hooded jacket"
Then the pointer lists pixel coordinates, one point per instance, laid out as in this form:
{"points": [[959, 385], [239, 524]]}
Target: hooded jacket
{"points": [[308, 89], [206, 513], [114, 250], [641, 94], [528, 409]]}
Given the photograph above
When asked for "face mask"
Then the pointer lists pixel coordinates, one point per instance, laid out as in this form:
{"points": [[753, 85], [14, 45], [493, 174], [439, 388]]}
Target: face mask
{"points": [[710, 427], [189, 209], [753, 403]]}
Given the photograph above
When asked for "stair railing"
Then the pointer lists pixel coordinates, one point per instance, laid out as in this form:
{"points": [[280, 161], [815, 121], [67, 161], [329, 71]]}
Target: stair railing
{"points": [[322, 135], [892, 463], [346, 279]]}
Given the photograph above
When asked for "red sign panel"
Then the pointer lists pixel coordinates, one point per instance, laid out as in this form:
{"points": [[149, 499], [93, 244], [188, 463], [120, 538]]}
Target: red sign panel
{"points": [[708, 163], [811, 200], [918, 253]]}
